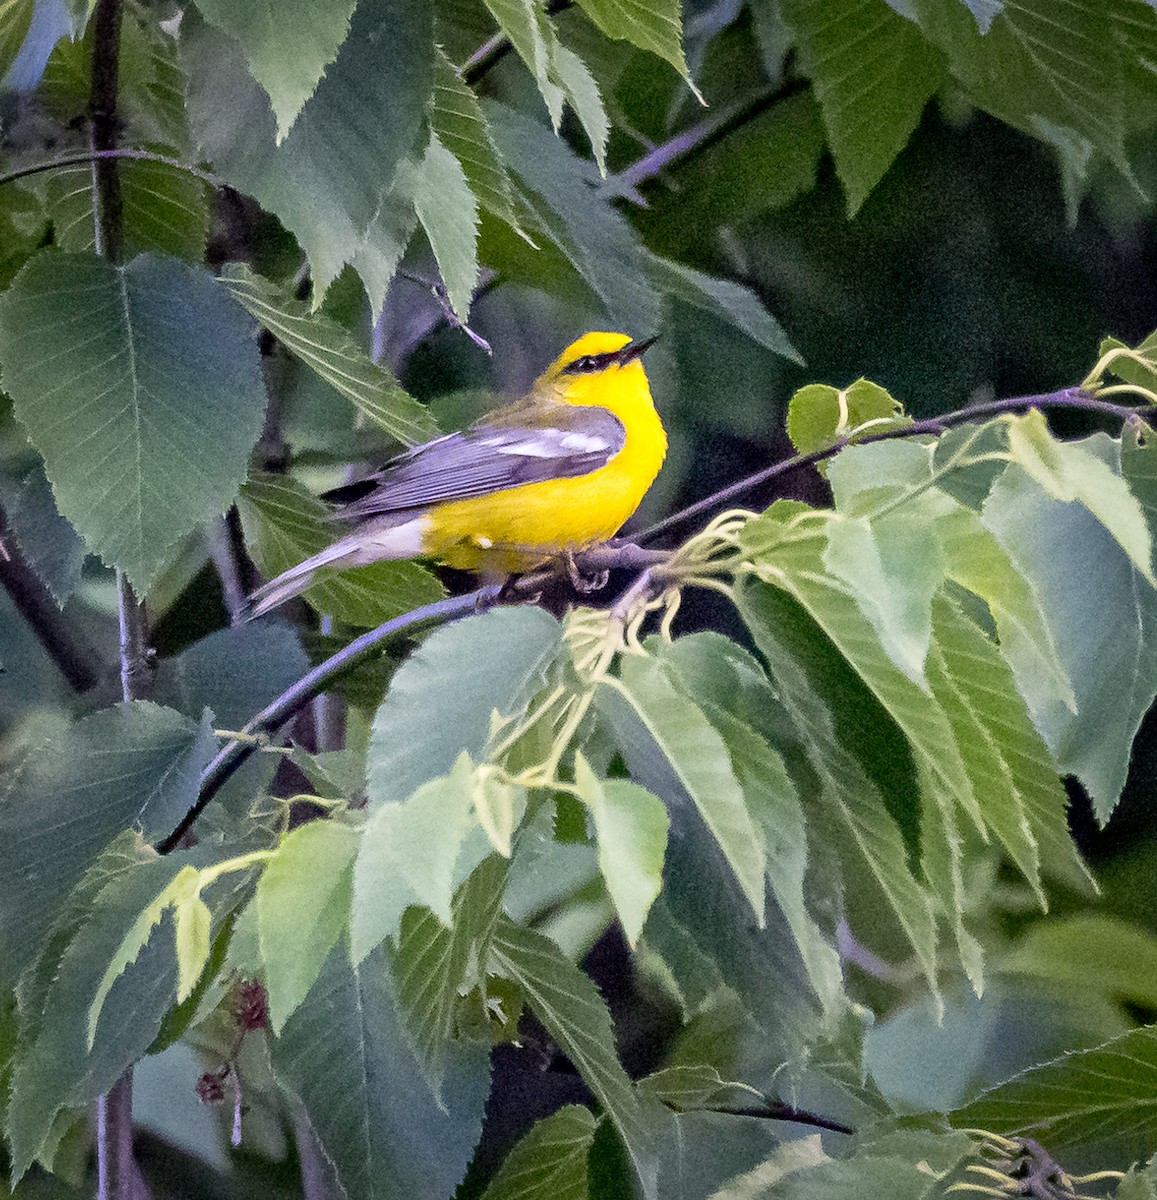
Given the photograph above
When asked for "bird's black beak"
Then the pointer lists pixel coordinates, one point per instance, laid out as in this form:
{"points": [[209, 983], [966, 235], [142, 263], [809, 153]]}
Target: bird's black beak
{"points": [[634, 349]]}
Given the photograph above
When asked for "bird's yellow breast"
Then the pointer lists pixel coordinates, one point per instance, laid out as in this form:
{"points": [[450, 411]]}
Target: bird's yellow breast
{"points": [[517, 528]]}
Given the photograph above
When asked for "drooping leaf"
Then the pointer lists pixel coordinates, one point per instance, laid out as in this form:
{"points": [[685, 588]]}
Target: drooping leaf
{"points": [[441, 699], [457, 118], [136, 764], [873, 73], [345, 1056], [326, 179], [167, 408], [285, 524], [407, 856], [631, 829], [435, 966], [327, 348], [1093, 1108], [288, 47], [550, 1162], [654, 25], [569, 1006], [448, 212], [303, 908], [698, 758], [730, 302]]}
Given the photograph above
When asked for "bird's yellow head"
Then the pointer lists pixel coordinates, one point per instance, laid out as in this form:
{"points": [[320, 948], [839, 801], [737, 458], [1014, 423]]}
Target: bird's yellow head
{"points": [[588, 366]]}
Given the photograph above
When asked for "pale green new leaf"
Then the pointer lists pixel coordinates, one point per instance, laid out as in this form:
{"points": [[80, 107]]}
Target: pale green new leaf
{"points": [[184, 884], [631, 829], [550, 1162], [15, 19], [456, 117], [135, 764], [1093, 1108], [448, 212], [1069, 472], [303, 907], [435, 966], [700, 760], [327, 348], [873, 73], [442, 699], [193, 920], [654, 25], [569, 1006], [288, 45], [146, 368], [407, 856], [284, 524]]}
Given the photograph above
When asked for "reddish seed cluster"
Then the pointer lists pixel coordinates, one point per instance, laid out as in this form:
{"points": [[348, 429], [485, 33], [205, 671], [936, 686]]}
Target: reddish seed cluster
{"points": [[211, 1086], [251, 1005]]}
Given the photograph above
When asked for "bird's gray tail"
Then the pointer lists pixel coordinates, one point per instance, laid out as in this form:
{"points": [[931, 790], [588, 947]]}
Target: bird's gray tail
{"points": [[345, 552]]}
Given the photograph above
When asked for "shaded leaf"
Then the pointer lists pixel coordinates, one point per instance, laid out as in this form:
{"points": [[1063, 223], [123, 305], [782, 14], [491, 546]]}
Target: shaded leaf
{"points": [[101, 372], [285, 524], [448, 212], [327, 348], [654, 25], [47, 541]]}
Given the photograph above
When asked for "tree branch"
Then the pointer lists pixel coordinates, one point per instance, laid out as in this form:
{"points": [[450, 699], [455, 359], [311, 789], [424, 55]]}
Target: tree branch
{"points": [[74, 660], [96, 156], [1070, 398]]}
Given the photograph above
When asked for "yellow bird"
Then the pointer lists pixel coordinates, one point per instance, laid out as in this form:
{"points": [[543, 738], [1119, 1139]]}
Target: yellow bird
{"points": [[551, 474]]}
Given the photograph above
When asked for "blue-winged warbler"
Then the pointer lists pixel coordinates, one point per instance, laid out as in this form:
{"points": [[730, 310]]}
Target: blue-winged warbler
{"points": [[553, 473]]}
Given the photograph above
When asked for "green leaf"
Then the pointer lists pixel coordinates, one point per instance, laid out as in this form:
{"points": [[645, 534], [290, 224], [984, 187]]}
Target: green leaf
{"points": [[1058, 547], [326, 179], [811, 683], [407, 856], [690, 1086], [327, 348], [1140, 371], [441, 699], [136, 764], [448, 212], [1037, 67], [163, 209], [168, 409], [1092, 1108], [730, 302], [15, 20], [1086, 950], [863, 1177], [344, 1054], [1068, 472], [193, 933], [288, 46], [569, 1006], [631, 829], [819, 415], [595, 239], [654, 25], [436, 966], [549, 1162], [303, 906], [583, 94], [284, 524], [49, 544], [457, 119], [873, 73], [699, 759]]}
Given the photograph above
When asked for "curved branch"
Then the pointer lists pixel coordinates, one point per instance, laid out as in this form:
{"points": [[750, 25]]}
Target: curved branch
{"points": [[95, 156], [1071, 398], [275, 714]]}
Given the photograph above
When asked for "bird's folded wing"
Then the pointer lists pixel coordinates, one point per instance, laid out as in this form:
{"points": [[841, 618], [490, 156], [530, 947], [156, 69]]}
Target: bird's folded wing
{"points": [[516, 447]]}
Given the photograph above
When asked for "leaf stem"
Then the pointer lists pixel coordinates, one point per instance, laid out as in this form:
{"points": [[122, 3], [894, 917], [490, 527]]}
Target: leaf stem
{"points": [[111, 153]]}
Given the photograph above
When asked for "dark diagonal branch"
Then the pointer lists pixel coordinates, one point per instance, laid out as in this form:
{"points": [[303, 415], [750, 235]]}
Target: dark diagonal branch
{"points": [[275, 714], [1071, 398]]}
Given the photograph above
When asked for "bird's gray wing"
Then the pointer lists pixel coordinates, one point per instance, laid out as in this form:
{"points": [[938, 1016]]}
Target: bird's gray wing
{"points": [[505, 451]]}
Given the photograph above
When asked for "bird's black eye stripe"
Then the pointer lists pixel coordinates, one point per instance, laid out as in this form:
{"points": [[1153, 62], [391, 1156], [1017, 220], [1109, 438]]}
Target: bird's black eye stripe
{"points": [[589, 364]]}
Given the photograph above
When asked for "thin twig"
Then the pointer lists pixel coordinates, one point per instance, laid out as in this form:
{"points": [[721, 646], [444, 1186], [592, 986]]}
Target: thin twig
{"points": [[87, 157], [773, 1110], [495, 48], [1071, 398]]}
